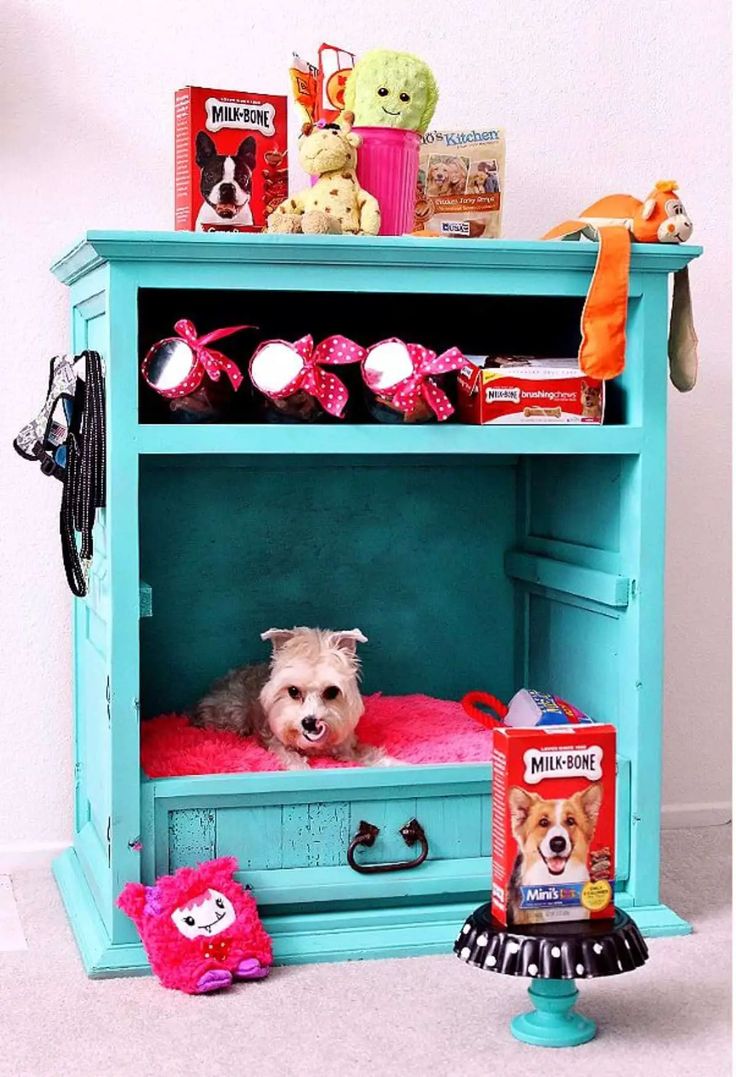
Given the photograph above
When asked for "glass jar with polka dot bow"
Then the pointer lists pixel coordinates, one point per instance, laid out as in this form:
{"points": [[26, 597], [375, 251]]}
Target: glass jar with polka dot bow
{"points": [[198, 382], [295, 383], [409, 383]]}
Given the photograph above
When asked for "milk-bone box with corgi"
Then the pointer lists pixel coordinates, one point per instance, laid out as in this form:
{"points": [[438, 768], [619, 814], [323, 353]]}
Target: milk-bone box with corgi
{"points": [[554, 799], [230, 159]]}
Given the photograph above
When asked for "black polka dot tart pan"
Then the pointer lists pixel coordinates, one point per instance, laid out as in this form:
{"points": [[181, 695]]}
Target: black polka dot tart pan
{"points": [[582, 949]]}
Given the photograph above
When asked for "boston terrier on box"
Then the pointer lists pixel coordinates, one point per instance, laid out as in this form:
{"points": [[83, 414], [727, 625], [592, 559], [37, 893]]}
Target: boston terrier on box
{"points": [[225, 183]]}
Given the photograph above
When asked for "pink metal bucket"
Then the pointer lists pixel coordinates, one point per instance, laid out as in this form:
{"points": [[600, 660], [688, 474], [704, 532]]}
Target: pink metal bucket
{"points": [[388, 167]]}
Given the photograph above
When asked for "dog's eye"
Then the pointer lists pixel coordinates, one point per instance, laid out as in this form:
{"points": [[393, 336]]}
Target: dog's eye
{"points": [[294, 692], [544, 822], [569, 821], [220, 903], [189, 921], [404, 97], [382, 91], [331, 693]]}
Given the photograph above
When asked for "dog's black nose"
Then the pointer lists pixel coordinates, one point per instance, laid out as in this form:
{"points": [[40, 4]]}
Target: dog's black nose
{"points": [[309, 724], [557, 845], [227, 192]]}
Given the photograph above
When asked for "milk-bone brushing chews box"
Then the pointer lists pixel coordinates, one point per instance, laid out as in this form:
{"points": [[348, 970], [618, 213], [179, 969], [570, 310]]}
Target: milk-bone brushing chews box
{"points": [[533, 393], [230, 155], [554, 804]]}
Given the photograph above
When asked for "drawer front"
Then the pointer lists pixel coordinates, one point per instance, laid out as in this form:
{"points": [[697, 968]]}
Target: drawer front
{"points": [[292, 846]]}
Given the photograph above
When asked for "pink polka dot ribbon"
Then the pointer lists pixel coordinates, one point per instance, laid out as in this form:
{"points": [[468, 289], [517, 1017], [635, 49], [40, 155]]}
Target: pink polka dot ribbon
{"points": [[205, 360], [312, 378], [419, 385]]}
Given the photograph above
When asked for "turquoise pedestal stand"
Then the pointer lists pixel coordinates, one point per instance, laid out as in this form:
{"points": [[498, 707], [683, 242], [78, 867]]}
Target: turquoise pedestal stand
{"points": [[553, 1022], [552, 956]]}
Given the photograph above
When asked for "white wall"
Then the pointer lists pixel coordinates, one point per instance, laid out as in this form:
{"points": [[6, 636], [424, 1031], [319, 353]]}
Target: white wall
{"points": [[595, 97]]}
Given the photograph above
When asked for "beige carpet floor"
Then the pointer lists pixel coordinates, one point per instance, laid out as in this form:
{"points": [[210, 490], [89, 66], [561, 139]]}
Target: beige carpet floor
{"points": [[424, 1017]]}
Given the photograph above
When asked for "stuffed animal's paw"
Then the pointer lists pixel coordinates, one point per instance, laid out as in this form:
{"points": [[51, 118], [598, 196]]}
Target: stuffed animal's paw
{"points": [[284, 223], [251, 969], [318, 223], [213, 980]]}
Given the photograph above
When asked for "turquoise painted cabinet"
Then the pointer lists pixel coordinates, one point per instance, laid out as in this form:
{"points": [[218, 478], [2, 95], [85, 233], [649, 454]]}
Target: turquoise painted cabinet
{"points": [[471, 558]]}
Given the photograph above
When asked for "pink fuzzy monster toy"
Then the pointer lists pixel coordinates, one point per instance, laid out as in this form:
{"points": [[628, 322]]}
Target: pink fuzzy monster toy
{"points": [[200, 928]]}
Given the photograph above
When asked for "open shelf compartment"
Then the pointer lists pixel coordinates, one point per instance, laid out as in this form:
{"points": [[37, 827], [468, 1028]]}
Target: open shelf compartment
{"points": [[485, 572]]}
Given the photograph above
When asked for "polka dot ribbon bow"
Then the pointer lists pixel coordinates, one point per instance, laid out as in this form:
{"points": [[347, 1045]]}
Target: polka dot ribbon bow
{"points": [[406, 394], [311, 378], [204, 360]]}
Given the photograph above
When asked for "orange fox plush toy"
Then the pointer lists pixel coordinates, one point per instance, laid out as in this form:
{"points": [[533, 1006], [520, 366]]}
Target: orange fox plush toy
{"points": [[615, 221]]}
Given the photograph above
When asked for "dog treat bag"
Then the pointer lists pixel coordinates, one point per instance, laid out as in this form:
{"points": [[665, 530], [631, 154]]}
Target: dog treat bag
{"points": [[554, 800], [461, 183], [318, 89]]}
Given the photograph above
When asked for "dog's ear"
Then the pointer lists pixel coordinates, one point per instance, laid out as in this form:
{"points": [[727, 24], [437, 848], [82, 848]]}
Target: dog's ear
{"points": [[247, 152], [278, 637], [348, 640], [591, 799], [520, 803], [206, 148]]}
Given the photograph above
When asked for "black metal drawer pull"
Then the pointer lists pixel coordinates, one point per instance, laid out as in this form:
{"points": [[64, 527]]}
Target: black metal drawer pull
{"points": [[366, 834]]}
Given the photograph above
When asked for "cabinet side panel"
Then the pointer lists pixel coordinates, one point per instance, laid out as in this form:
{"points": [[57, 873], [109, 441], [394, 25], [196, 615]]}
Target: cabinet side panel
{"points": [[91, 620]]}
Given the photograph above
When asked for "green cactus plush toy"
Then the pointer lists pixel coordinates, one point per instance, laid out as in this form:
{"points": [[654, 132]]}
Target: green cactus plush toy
{"points": [[391, 89]]}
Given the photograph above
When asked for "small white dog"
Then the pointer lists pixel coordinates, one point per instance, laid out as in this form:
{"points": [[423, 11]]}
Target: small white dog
{"points": [[306, 702]]}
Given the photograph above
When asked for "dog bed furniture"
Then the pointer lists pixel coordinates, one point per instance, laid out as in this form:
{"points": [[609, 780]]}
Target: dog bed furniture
{"points": [[472, 558]]}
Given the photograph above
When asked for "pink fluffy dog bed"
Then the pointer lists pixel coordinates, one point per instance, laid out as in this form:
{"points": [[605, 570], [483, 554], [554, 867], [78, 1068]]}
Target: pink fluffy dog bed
{"points": [[414, 729]]}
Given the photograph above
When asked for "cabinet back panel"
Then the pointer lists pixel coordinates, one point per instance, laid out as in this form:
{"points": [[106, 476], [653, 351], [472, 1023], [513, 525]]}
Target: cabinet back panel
{"points": [[576, 500], [411, 555], [574, 652]]}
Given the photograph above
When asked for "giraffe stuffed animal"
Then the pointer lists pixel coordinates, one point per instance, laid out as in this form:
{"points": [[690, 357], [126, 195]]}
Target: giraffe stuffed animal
{"points": [[336, 203]]}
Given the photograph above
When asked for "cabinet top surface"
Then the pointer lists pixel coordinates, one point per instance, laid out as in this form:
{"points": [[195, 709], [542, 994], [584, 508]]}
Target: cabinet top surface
{"points": [[99, 247]]}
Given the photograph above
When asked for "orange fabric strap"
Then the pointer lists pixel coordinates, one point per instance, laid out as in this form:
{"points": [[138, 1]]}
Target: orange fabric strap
{"points": [[603, 348]]}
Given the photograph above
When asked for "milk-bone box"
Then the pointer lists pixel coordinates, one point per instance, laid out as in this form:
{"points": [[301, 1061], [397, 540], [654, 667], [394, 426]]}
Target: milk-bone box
{"points": [[230, 159], [553, 821], [538, 391]]}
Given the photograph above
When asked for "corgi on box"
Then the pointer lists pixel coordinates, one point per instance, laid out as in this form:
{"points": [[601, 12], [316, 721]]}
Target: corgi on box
{"points": [[554, 800]]}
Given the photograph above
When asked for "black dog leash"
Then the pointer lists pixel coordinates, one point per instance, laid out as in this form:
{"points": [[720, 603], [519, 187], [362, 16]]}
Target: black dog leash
{"points": [[84, 481]]}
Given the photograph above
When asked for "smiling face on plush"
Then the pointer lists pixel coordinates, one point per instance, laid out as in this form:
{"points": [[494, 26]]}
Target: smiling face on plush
{"points": [[206, 915], [391, 89], [662, 218]]}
